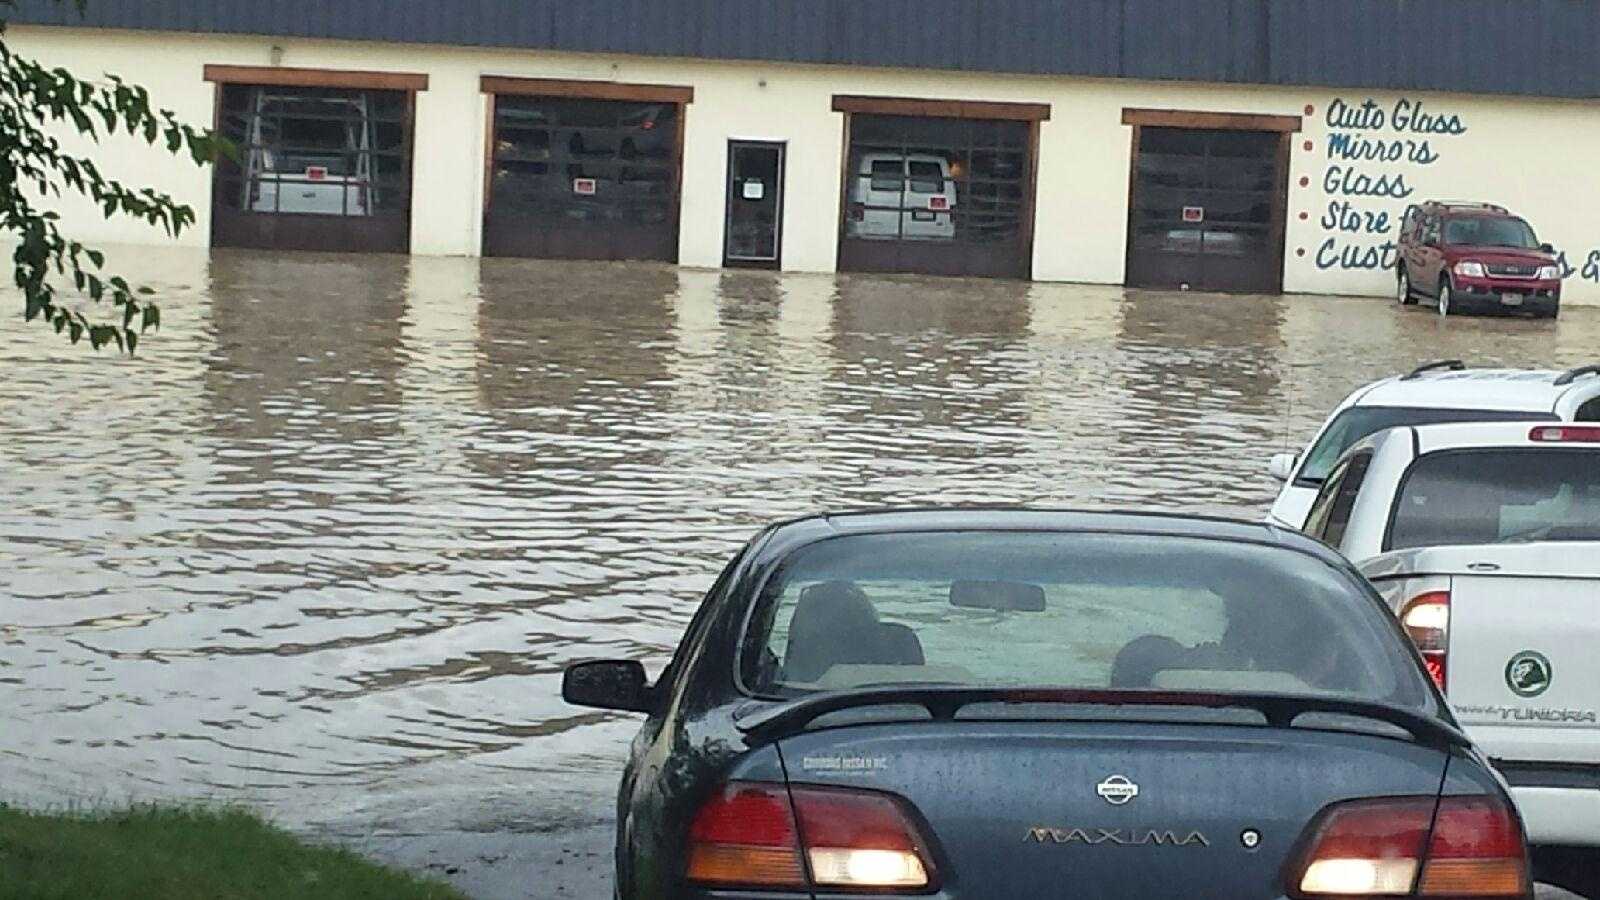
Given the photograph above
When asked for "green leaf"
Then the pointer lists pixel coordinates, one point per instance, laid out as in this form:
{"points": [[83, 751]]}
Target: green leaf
{"points": [[129, 310], [133, 339], [96, 257]]}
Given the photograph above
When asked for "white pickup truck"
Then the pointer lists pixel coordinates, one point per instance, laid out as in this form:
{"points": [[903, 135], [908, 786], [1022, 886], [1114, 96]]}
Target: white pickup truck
{"points": [[1485, 540]]}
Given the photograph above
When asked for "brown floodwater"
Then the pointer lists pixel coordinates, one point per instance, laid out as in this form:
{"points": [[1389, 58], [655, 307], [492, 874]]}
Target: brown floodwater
{"points": [[326, 543]]}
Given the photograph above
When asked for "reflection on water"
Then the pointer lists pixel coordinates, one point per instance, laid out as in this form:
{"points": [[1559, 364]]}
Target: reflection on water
{"points": [[327, 543]]}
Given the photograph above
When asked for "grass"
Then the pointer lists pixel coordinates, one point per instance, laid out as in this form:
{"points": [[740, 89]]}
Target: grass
{"points": [[182, 853]]}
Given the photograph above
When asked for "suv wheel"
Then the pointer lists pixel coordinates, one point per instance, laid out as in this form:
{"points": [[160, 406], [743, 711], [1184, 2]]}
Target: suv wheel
{"points": [[1403, 287], [1444, 298]]}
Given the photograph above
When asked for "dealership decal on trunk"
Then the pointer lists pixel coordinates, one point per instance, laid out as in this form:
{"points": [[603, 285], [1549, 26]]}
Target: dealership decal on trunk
{"points": [[1528, 674], [1118, 837]]}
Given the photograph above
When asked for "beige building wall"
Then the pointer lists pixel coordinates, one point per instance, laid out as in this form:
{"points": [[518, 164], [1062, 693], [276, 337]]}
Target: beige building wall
{"points": [[1533, 155]]}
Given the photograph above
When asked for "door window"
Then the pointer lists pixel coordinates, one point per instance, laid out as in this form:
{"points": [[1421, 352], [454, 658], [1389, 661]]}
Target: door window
{"points": [[755, 203], [1430, 230], [1343, 500], [1317, 519]]}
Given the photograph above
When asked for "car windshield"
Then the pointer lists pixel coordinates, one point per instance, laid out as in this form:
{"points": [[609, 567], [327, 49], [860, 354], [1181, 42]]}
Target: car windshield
{"points": [[1490, 231], [1072, 610], [1507, 495], [1361, 422]]}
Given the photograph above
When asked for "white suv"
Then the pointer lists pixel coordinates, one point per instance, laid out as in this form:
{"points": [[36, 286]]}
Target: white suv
{"points": [[1438, 392], [1484, 538]]}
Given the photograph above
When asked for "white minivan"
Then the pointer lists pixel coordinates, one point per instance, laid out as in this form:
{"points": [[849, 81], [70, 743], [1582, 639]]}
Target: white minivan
{"points": [[902, 196], [1438, 392]]}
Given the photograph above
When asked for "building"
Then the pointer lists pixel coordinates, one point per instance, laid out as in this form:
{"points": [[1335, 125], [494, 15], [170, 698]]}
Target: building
{"points": [[1241, 145]]}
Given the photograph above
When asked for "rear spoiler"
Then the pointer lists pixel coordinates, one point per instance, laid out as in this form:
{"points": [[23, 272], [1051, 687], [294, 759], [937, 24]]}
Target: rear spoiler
{"points": [[767, 723]]}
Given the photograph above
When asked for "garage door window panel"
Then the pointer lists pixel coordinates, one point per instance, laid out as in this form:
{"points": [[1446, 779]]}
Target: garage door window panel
{"points": [[969, 176], [574, 177], [315, 151]]}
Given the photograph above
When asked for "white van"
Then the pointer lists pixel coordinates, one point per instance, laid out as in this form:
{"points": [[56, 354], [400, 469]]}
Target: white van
{"points": [[899, 196], [309, 155]]}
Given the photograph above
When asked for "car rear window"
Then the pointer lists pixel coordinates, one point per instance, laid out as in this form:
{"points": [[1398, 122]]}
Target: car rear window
{"points": [[1361, 422], [926, 177], [1498, 496], [1087, 611]]}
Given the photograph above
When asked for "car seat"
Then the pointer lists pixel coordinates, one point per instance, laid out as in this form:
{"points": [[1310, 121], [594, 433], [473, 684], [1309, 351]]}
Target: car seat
{"points": [[1137, 663], [836, 624]]}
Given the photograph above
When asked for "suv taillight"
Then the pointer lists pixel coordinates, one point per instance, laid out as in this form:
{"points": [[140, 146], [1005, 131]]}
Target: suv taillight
{"points": [[1427, 620], [760, 835], [1414, 847]]}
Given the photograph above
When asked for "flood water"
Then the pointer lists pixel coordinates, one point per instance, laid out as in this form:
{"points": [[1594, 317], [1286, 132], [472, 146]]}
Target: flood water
{"points": [[325, 545]]}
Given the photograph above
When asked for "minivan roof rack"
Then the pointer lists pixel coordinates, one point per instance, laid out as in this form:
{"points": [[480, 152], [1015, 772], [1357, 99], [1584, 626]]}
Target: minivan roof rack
{"points": [[1572, 375], [1454, 365]]}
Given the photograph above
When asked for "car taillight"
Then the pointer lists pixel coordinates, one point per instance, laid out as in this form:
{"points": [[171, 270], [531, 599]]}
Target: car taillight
{"points": [[1554, 434], [858, 839], [1476, 851], [1415, 847], [767, 836], [1427, 620]]}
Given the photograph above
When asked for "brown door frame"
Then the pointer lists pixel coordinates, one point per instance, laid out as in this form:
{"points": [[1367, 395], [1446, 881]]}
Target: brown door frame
{"points": [[1032, 113], [1285, 126], [680, 96]]}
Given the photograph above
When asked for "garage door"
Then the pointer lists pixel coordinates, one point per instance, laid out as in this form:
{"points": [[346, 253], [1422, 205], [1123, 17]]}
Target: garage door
{"points": [[1207, 209], [582, 177], [941, 194], [319, 167]]}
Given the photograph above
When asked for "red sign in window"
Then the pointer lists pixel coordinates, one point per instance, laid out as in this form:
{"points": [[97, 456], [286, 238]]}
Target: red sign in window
{"points": [[316, 173], [939, 203], [584, 187], [1194, 213]]}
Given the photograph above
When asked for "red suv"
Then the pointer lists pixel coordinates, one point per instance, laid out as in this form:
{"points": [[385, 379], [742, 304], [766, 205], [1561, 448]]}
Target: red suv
{"points": [[1475, 255]]}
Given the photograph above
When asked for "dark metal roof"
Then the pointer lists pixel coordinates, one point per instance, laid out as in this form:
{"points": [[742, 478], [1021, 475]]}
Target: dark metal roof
{"points": [[1533, 47]]}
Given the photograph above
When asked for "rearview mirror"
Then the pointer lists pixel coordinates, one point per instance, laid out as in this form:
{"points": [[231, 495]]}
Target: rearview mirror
{"points": [[1012, 596], [1282, 466], [1547, 248], [607, 684]]}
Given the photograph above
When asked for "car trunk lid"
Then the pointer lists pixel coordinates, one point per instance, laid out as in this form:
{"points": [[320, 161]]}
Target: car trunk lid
{"points": [[1020, 801]]}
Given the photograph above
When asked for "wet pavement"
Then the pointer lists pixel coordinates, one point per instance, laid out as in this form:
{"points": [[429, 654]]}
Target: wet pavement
{"points": [[325, 545]]}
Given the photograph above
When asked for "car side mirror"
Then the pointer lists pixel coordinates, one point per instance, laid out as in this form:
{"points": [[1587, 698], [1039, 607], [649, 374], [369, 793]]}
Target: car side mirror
{"points": [[608, 684], [1547, 248], [1282, 466]]}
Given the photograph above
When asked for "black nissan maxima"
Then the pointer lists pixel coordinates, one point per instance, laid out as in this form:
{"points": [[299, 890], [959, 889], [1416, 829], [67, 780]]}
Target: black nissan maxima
{"points": [[1031, 704]]}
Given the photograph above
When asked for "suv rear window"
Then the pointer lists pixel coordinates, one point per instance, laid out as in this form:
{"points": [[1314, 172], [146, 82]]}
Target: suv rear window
{"points": [[1087, 611], [1490, 231], [1498, 496], [1361, 422]]}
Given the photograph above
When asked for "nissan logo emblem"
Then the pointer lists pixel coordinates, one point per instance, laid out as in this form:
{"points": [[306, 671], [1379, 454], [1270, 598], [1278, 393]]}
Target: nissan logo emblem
{"points": [[1117, 790]]}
